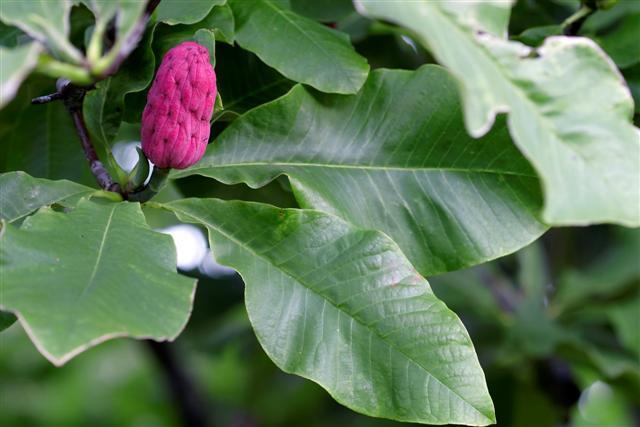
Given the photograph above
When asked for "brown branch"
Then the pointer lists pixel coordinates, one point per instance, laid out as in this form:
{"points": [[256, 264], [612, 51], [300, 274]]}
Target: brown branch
{"points": [[73, 97]]}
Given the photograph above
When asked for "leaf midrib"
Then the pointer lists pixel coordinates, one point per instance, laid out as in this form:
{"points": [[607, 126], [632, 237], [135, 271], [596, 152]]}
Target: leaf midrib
{"points": [[99, 255], [292, 276], [360, 167]]}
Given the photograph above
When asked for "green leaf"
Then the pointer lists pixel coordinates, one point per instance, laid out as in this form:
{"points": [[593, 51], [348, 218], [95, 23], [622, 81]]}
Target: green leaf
{"points": [[15, 65], [75, 280], [221, 21], [301, 49], [46, 22], [569, 109], [185, 11], [392, 158], [344, 308], [21, 194]]}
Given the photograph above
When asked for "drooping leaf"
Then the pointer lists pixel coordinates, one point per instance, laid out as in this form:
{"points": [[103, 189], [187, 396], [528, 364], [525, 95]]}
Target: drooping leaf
{"points": [[77, 279], [15, 65], [345, 308], [45, 21], [21, 194], [395, 158], [586, 156], [301, 49], [175, 12]]}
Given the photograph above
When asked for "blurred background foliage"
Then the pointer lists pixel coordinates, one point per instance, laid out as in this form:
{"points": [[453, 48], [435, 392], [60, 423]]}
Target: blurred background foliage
{"points": [[556, 325]]}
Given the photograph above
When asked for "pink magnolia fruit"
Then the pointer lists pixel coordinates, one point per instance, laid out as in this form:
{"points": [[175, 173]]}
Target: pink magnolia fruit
{"points": [[175, 121]]}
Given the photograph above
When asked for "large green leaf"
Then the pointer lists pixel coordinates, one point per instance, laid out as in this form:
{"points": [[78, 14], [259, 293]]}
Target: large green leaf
{"points": [[395, 158], [569, 109], [45, 21], [77, 279], [15, 65], [21, 194], [345, 308], [299, 48]]}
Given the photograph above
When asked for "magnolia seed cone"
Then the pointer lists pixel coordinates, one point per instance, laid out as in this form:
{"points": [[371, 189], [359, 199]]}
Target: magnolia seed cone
{"points": [[176, 119]]}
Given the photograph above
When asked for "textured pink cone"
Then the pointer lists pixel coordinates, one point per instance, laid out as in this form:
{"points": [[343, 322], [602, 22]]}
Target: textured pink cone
{"points": [[175, 121]]}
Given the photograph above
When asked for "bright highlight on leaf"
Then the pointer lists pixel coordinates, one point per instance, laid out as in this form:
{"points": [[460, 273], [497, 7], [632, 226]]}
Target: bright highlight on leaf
{"points": [[569, 109], [344, 307]]}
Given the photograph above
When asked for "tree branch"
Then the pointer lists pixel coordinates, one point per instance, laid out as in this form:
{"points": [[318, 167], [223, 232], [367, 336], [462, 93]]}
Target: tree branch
{"points": [[182, 387]]}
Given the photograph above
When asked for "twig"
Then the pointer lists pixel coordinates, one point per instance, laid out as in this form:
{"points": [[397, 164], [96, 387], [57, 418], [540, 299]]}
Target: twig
{"points": [[182, 387], [573, 23], [73, 97], [44, 99]]}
